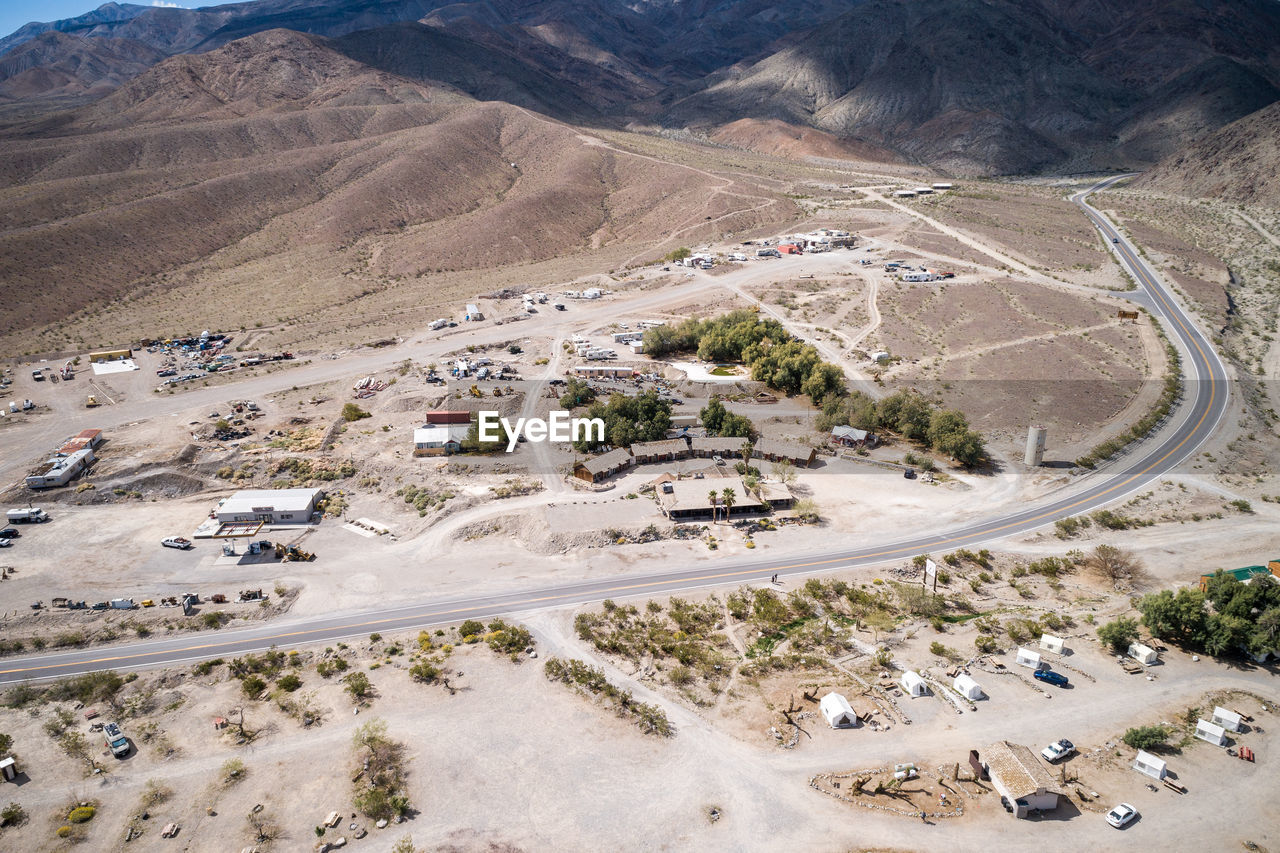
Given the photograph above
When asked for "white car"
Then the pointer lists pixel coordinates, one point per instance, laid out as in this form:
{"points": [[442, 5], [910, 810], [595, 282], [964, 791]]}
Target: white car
{"points": [[1121, 815], [1057, 751]]}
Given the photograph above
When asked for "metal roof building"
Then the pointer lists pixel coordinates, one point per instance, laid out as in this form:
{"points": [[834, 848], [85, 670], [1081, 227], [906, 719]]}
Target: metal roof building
{"points": [[272, 506]]}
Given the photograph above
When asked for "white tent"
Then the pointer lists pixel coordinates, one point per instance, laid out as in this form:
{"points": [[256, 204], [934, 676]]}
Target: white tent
{"points": [[1026, 657], [1150, 765], [1207, 731], [914, 684], [1229, 720], [838, 712], [1143, 654], [1050, 643], [967, 687]]}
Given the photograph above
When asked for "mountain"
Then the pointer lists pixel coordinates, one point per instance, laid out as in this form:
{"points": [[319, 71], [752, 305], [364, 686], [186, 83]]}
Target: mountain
{"points": [[963, 86], [280, 158], [54, 64], [1011, 85], [1238, 163]]}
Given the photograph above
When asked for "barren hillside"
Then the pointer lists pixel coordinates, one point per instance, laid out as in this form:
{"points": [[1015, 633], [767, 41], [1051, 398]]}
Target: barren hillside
{"points": [[1239, 163], [279, 147]]}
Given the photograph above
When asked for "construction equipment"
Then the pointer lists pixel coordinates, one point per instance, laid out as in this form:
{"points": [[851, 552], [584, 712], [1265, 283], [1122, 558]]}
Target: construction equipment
{"points": [[91, 402], [475, 391]]}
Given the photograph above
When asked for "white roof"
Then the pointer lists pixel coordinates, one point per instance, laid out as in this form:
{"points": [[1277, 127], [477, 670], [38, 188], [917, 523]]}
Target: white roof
{"points": [[1149, 760], [270, 500], [833, 705], [911, 678], [440, 434], [1220, 713], [965, 682], [1207, 727]]}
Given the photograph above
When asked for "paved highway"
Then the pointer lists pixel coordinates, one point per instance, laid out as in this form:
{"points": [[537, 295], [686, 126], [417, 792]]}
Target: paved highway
{"points": [[1203, 405]]}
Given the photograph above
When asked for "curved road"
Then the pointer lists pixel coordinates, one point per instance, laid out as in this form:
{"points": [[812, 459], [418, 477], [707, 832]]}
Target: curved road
{"points": [[1205, 400]]}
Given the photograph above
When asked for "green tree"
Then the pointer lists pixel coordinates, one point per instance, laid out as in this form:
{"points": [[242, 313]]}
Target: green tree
{"points": [[728, 498], [678, 254], [949, 433], [358, 685], [907, 413], [1178, 618], [1119, 633], [577, 393]]}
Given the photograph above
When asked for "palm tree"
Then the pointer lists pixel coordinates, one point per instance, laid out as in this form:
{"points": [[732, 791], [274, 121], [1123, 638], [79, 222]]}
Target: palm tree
{"points": [[728, 498], [745, 452], [712, 497]]}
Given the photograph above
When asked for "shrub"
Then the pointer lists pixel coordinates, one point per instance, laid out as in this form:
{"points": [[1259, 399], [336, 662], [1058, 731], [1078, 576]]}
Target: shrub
{"points": [[424, 672], [1146, 737], [352, 412], [81, 814], [289, 682], [13, 815], [986, 644], [252, 686], [471, 627], [358, 685]]}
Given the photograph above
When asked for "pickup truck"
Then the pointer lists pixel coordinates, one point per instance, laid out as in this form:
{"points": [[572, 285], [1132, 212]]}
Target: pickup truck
{"points": [[116, 741], [179, 542]]}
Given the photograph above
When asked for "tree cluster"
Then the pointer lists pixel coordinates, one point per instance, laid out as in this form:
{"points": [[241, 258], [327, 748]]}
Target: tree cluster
{"points": [[911, 416], [644, 417], [1230, 617], [760, 343], [718, 420]]}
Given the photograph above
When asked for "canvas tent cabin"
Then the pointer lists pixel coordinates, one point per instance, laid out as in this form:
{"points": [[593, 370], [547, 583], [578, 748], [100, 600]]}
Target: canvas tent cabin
{"points": [[1147, 763], [1210, 733], [1028, 658], [1019, 776], [913, 684], [1229, 720], [967, 687], [1050, 643], [1143, 654], [837, 711]]}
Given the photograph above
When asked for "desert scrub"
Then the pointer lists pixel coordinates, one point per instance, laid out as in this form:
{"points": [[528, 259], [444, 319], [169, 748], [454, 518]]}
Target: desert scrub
{"points": [[591, 681]]}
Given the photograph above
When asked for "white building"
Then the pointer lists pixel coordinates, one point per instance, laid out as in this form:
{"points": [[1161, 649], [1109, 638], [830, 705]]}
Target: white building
{"points": [[1147, 763], [905, 194], [1210, 733], [1050, 643], [913, 684], [272, 506], [60, 469], [1143, 654], [1229, 720], [837, 711], [473, 312], [1028, 658], [918, 276], [439, 439], [967, 687]]}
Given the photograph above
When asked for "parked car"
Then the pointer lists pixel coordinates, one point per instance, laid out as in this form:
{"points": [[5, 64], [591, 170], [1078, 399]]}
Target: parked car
{"points": [[116, 741], [1057, 751], [1121, 815], [9, 533], [1048, 676], [909, 474], [179, 542], [5, 543]]}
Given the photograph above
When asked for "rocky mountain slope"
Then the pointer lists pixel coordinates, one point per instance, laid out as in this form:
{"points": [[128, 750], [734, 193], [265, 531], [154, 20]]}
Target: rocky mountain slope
{"points": [[1239, 163], [997, 86]]}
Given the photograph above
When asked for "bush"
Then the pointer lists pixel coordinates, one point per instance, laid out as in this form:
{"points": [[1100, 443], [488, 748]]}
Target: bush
{"points": [[13, 815], [252, 686], [1146, 737], [424, 672], [986, 644], [358, 685], [470, 628], [289, 682], [352, 412], [81, 814]]}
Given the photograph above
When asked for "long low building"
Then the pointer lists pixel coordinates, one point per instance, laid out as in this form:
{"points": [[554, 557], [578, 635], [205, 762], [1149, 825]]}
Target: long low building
{"points": [[270, 506], [60, 469], [715, 445], [776, 450], [684, 500], [602, 467], [660, 451]]}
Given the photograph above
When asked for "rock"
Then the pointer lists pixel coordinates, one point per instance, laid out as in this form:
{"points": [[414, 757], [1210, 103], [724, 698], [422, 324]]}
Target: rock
{"points": [[382, 823]]}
